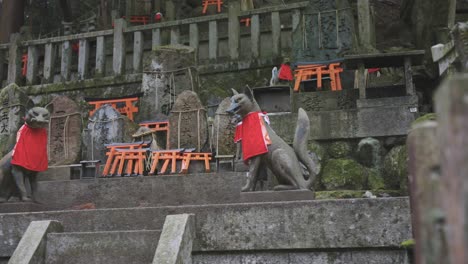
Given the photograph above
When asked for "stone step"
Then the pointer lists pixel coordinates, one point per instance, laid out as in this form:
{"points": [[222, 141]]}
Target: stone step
{"points": [[296, 225], [116, 247]]}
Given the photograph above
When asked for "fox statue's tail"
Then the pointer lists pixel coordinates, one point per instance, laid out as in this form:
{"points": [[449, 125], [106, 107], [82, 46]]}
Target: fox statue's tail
{"points": [[300, 145]]}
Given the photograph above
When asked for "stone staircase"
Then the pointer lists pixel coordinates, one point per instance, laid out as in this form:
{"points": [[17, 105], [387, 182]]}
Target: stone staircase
{"points": [[116, 247], [226, 231]]}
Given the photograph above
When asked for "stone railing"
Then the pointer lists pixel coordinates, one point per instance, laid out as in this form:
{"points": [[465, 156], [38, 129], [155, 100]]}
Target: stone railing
{"points": [[85, 56]]}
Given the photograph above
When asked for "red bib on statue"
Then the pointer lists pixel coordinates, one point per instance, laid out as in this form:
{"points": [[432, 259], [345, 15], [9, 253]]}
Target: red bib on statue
{"points": [[30, 151], [253, 135]]}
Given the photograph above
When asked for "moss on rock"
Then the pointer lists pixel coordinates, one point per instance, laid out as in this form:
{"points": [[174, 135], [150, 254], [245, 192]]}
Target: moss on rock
{"points": [[343, 174], [339, 149], [375, 180], [395, 168], [426, 117]]}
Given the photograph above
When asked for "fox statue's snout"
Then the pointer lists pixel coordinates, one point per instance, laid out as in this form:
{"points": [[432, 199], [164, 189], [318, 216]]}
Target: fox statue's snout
{"points": [[233, 108]]}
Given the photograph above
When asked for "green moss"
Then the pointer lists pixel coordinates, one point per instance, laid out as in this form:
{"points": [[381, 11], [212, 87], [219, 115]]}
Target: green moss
{"points": [[339, 149], [375, 181], [395, 170], [426, 117], [408, 243], [318, 149], [343, 194], [343, 174]]}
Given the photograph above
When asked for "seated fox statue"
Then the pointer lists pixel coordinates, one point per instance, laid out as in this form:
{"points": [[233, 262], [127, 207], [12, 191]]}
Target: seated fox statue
{"points": [[19, 168], [262, 147]]}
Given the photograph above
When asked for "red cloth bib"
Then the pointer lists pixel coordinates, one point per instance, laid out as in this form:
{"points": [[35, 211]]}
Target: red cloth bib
{"points": [[285, 73], [30, 151], [252, 132]]}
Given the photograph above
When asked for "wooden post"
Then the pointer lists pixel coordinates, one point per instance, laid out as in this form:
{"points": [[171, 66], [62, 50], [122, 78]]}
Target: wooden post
{"points": [[118, 63], [255, 36], [409, 77], [426, 196], [213, 40], [100, 56], [234, 29], [49, 62], [83, 59], [66, 61], [194, 38], [452, 115], [138, 41], [156, 38], [33, 59], [276, 34], [14, 59]]}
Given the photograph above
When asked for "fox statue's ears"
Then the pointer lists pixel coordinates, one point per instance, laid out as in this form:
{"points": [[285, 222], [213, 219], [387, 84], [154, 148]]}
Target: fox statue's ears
{"points": [[249, 92], [234, 91]]}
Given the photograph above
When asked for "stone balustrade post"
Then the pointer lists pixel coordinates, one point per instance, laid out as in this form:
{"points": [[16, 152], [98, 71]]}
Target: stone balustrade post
{"points": [[83, 59], [32, 68], [14, 59], [49, 62], [213, 40], [100, 56], [255, 36], [234, 29], [118, 63]]}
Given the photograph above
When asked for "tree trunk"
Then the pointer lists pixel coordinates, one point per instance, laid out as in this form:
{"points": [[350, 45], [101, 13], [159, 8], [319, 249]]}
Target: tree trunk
{"points": [[67, 11], [11, 18]]}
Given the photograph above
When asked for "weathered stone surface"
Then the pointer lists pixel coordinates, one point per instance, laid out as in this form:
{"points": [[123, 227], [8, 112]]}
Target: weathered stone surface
{"points": [[168, 71], [16, 207], [343, 174], [339, 149], [369, 152], [223, 136], [188, 123], [143, 191], [14, 103], [32, 246], [116, 247], [339, 224], [306, 257], [176, 241], [395, 167], [106, 126], [64, 131], [275, 196]]}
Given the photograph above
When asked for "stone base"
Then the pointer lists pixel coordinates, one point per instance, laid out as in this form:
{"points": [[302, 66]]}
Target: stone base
{"points": [[272, 196], [55, 173], [16, 207]]}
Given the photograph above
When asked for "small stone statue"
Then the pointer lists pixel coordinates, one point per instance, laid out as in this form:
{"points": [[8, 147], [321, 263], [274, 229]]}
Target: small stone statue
{"points": [[262, 147], [28, 157]]}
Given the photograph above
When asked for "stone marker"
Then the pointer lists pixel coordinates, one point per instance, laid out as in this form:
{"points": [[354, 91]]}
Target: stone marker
{"points": [[14, 103], [167, 72], [64, 145], [223, 130], [188, 124], [32, 246], [106, 126], [368, 152], [175, 242]]}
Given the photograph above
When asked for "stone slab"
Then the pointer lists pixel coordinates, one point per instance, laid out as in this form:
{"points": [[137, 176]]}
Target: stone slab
{"points": [[321, 224], [17, 207], [55, 173], [32, 247], [272, 196], [118, 247], [175, 243], [143, 191], [349, 256]]}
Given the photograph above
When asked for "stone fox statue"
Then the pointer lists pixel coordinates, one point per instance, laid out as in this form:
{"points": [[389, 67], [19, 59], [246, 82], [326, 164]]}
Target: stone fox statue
{"points": [[29, 156], [262, 147]]}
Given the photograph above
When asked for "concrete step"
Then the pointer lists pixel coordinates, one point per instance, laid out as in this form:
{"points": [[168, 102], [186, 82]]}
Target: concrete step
{"points": [[320, 224], [116, 247]]}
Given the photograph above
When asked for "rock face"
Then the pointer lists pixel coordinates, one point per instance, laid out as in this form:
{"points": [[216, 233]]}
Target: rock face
{"points": [[340, 149], [14, 104], [168, 71], [106, 126], [343, 174], [368, 152], [223, 133], [395, 169], [188, 123], [64, 131]]}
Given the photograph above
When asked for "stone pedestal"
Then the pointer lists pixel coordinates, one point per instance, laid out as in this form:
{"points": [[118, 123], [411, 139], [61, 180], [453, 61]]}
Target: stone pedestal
{"points": [[272, 196], [167, 72]]}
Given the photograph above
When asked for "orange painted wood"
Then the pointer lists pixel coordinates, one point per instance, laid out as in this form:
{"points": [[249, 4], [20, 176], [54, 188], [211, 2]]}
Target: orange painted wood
{"points": [[187, 157], [206, 3], [128, 109]]}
